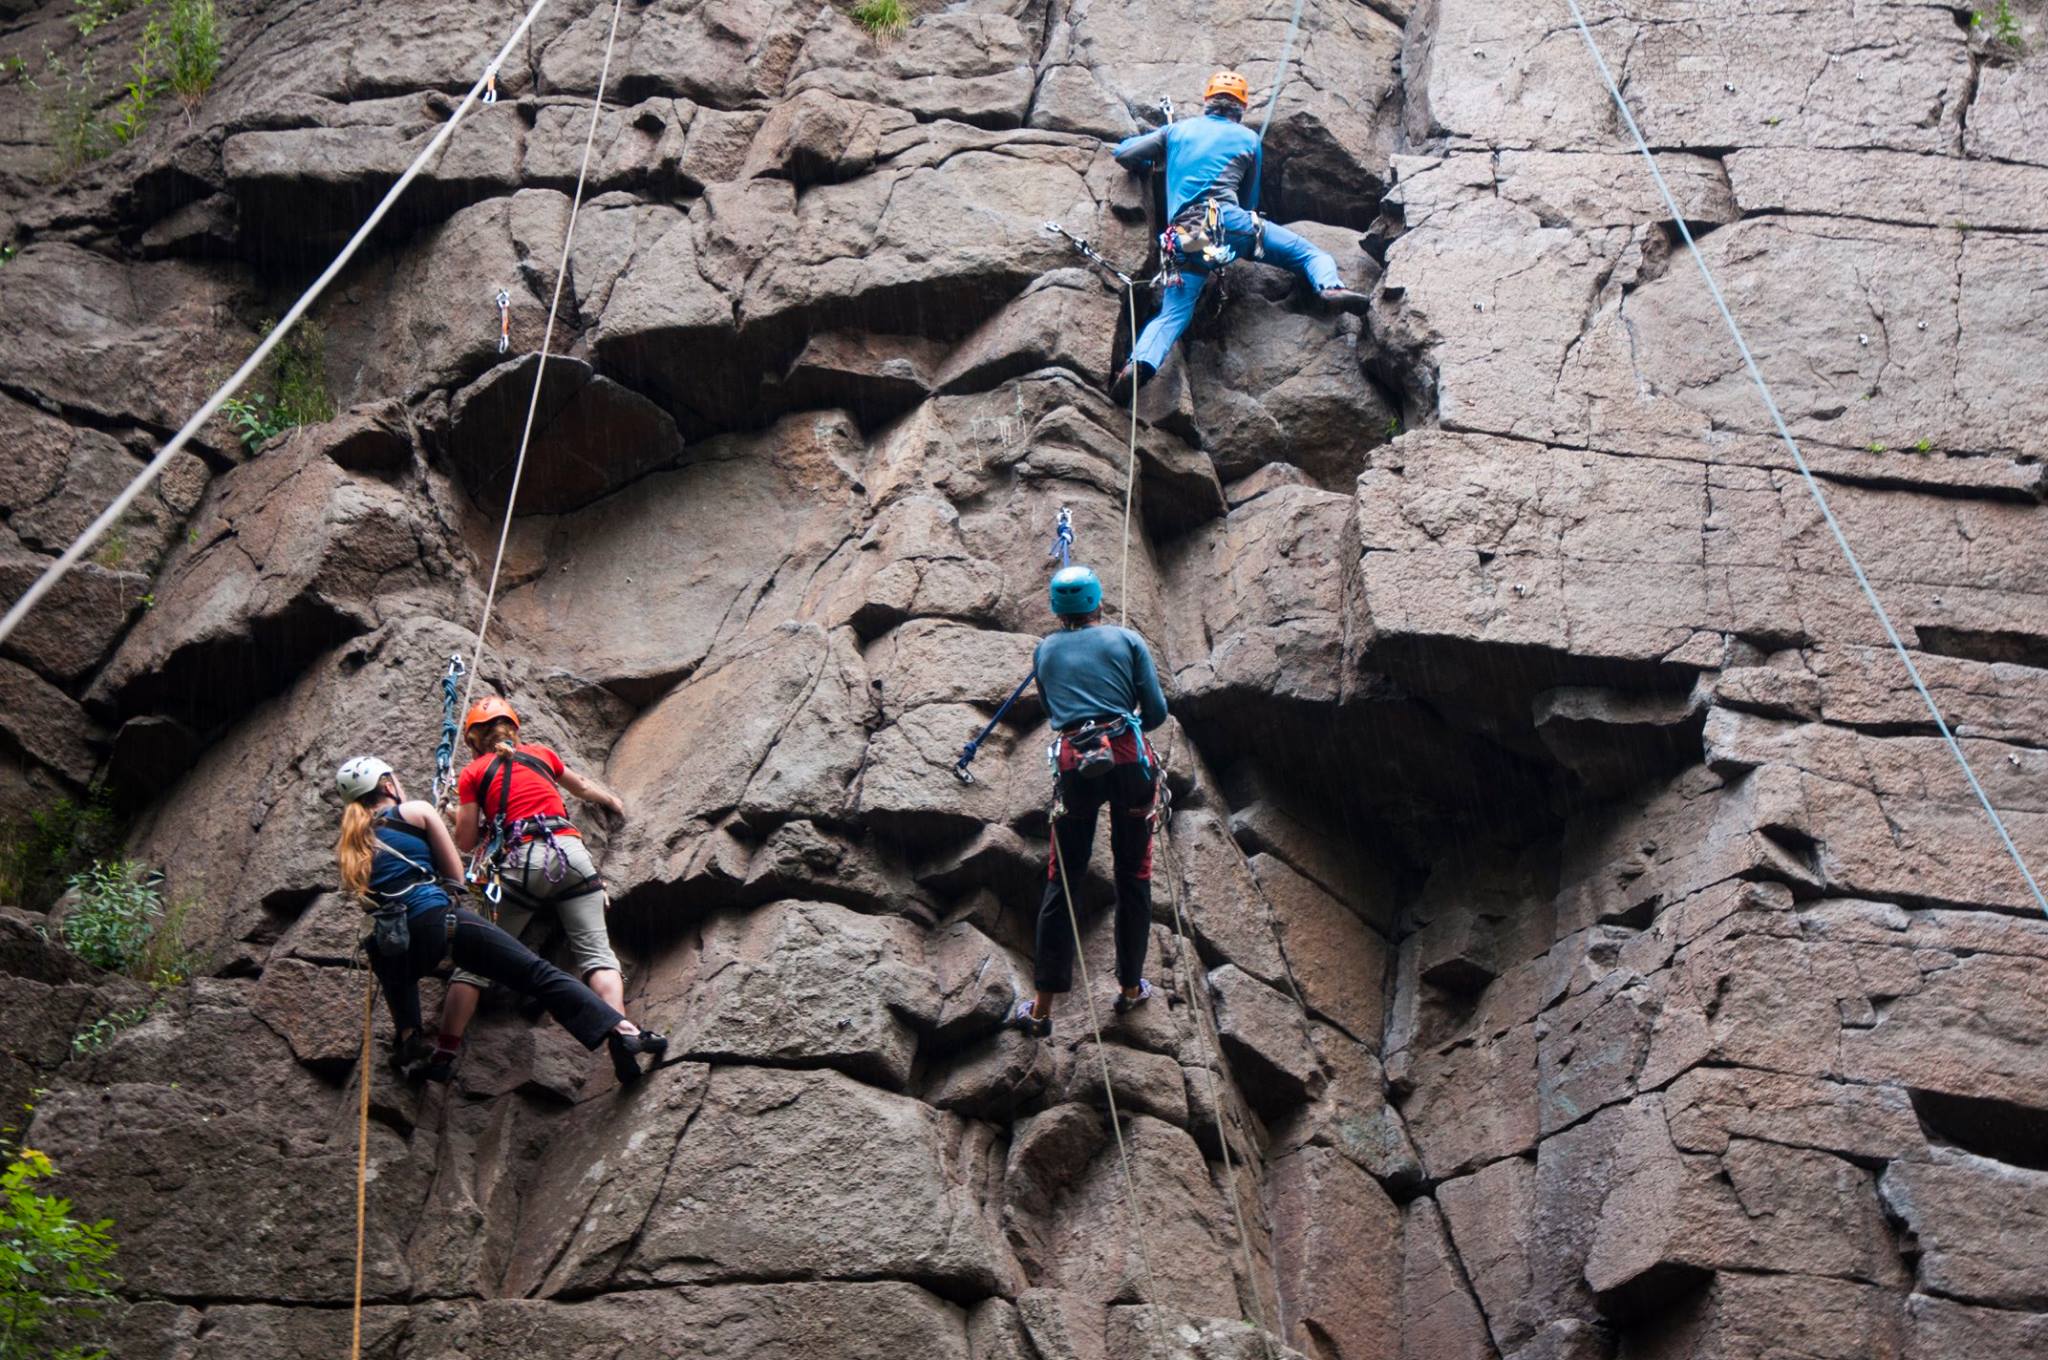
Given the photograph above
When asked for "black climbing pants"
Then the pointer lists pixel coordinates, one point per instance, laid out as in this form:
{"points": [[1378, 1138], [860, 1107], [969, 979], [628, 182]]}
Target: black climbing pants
{"points": [[1127, 791], [487, 951]]}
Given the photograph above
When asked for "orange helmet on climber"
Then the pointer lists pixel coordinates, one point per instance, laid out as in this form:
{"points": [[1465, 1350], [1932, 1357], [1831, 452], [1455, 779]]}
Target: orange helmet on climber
{"points": [[1228, 83], [486, 709]]}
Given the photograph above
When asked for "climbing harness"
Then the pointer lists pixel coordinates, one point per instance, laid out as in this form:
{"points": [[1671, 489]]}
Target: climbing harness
{"points": [[444, 750], [547, 339], [1799, 460], [111, 516], [501, 833], [504, 300], [1203, 244]]}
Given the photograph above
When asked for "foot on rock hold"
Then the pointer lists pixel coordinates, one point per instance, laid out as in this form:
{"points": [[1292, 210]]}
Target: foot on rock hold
{"points": [[1346, 300], [626, 1048], [1120, 387], [1126, 1002], [1025, 1017]]}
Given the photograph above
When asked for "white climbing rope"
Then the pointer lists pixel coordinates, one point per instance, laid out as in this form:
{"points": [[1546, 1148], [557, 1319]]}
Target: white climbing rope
{"points": [[1123, 589], [70, 557], [1133, 1230], [1211, 1036], [540, 371], [1799, 460]]}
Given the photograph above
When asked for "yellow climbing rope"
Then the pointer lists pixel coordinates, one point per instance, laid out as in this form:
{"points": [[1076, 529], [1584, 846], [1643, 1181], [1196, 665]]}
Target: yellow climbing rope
{"points": [[364, 1067]]}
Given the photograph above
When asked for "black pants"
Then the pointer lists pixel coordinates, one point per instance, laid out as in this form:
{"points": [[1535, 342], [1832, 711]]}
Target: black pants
{"points": [[489, 952], [1127, 790]]}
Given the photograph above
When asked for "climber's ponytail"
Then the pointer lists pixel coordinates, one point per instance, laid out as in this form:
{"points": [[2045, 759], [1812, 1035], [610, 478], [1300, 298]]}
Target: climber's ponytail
{"points": [[357, 848]]}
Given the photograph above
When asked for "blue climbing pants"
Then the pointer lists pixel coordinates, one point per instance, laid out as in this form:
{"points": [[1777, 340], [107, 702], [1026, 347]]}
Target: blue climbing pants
{"points": [[1177, 307]]}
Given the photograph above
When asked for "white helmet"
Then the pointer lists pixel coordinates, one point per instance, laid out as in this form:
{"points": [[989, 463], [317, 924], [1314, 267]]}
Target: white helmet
{"points": [[360, 776]]}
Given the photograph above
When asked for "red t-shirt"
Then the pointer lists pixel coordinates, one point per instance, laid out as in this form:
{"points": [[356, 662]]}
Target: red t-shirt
{"points": [[530, 796]]}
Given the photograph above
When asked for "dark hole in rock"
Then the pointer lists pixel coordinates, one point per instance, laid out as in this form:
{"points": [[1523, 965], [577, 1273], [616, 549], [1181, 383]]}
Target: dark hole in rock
{"points": [[1997, 1129]]}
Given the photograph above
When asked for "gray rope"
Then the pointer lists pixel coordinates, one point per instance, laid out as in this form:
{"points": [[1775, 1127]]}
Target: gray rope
{"points": [[1272, 99], [1812, 485], [56, 571], [540, 371]]}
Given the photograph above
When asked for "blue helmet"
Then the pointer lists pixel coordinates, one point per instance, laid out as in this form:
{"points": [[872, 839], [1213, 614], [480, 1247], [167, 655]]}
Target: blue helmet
{"points": [[1075, 590]]}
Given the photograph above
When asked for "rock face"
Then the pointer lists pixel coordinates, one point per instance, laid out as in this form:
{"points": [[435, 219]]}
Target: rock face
{"points": [[1575, 940]]}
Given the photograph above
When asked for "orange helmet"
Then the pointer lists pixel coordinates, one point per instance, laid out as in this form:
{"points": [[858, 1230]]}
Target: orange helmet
{"points": [[1230, 83], [487, 708]]}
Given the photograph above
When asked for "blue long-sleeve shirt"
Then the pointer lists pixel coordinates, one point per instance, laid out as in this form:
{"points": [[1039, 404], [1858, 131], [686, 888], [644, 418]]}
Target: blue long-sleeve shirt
{"points": [[1098, 672], [1206, 157]]}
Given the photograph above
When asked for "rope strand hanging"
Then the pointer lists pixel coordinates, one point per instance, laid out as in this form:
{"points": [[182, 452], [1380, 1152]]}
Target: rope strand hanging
{"points": [[71, 556], [1820, 500], [483, 623]]}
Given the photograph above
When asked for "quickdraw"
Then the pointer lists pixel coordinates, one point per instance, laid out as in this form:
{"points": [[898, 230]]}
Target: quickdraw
{"points": [[1063, 539], [1087, 251], [444, 750], [504, 320]]}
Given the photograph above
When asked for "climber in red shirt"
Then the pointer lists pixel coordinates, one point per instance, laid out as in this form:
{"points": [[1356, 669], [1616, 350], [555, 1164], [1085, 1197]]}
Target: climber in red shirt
{"points": [[510, 799]]}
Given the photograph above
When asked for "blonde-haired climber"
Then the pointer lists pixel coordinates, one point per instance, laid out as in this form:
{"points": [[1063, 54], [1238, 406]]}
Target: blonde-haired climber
{"points": [[397, 856]]}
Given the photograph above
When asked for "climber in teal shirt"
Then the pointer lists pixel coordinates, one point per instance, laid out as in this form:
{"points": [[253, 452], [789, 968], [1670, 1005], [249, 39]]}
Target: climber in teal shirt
{"points": [[1207, 159], [1101, 695]]}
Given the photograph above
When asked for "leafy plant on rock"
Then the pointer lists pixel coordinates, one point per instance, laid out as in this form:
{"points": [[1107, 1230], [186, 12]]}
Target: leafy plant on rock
{"points": [[101, 1032], [116, 913], [191, 38], [296, 379], [54, 1267]]}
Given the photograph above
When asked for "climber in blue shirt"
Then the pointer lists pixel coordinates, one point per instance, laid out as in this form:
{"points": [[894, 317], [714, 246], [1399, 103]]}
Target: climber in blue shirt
{"points": [[1207, 159], [1101, 695]]}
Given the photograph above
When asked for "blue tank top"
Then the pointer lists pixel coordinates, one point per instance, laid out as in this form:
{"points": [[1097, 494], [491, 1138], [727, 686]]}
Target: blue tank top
{"points": [[392, 879]]}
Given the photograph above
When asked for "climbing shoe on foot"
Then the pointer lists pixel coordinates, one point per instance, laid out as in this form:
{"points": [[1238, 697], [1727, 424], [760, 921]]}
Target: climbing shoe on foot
{"points": [[1126, 1004], [1026, 1018], [1136, 371], [410, 1056], [627, 1048], [440, 1064], [1346, 300]]}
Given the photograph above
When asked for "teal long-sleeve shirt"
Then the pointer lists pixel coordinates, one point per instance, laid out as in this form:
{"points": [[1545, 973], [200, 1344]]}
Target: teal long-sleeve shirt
{"points": [[1096, 672]]}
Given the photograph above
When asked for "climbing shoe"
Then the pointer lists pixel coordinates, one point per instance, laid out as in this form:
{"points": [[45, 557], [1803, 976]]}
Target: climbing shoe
{"points": [[627, 1048], [1125, 1004], [1137, 370], [1026, 1018], [410, 1057], [440, 1065], [1346, 300]]}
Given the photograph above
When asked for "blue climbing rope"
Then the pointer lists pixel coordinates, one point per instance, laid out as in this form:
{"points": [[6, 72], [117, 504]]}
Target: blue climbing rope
{"points": [[444, 751], [960, 770], [1063, 538]]}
